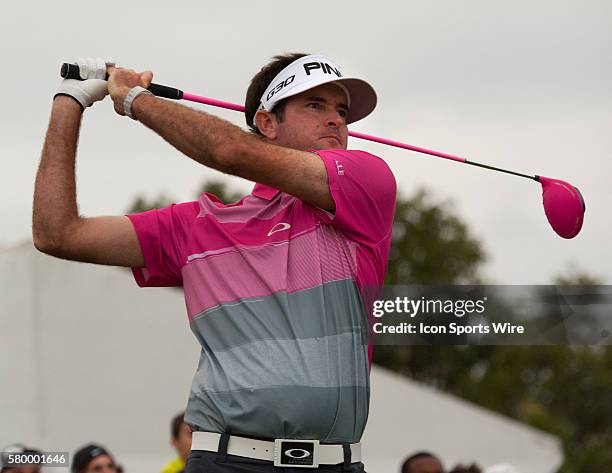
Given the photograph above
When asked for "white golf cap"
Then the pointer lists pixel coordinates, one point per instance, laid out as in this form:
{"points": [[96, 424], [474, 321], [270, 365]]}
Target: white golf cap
{"points": [[311, 71]]}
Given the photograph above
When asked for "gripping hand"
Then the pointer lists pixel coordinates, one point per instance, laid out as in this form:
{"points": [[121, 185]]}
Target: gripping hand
{"points": [[93, 87]]}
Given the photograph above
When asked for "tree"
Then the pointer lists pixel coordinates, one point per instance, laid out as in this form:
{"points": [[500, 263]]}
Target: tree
{"points": [[564, 390], [218, 188], [141, 204], [431, 245]]}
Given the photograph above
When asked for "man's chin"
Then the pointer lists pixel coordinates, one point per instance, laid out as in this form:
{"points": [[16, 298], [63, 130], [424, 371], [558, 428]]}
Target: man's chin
{"points": [[328, 143]]}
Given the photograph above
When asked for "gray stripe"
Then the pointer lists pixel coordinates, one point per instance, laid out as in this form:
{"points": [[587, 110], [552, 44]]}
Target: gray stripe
{"points": [[332, 415], [330, 309], [337, 360], [286, 365]]}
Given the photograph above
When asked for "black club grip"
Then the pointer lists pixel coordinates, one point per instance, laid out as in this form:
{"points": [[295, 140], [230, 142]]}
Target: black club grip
{"points": [[71, 71], [165, 91]]}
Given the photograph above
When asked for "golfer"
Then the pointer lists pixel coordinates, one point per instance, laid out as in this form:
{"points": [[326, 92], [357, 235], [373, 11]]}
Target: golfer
{"points": [[275, 285]]}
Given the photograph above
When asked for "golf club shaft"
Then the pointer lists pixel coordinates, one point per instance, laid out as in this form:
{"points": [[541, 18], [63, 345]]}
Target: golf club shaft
{"points": [[363, 136], [71, 71]]}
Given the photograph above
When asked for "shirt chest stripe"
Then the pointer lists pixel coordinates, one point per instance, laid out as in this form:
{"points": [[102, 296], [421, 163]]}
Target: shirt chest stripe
{"points": [[242, 248], [313, 258]]}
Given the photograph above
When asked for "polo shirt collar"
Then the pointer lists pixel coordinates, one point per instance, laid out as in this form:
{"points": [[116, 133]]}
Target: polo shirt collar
{"points": [[265, 192]]}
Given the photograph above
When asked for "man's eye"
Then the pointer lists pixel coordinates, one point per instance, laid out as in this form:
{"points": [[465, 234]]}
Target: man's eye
{"points": [[315, 105], [343, 113]]}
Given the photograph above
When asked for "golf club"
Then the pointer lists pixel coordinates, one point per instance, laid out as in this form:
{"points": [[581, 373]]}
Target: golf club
{"points": [[563, 203]]}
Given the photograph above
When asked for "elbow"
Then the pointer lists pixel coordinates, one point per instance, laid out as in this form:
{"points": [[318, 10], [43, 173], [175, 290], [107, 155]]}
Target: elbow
{"points": [[41, 243], [40, 235], [46, 245], [54, 239], [49, 241]]}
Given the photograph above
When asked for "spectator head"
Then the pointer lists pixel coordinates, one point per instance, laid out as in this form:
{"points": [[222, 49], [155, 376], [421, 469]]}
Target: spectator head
{"points": [[422, 462], [93, 459], [19, 449], [180, 436]]}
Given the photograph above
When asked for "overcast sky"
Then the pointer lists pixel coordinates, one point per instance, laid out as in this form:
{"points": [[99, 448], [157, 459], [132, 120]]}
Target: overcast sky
{"points": [[525, 85]]}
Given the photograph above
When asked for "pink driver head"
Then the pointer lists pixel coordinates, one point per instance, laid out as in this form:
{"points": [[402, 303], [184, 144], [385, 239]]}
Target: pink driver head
{"points": [[563, 205]]}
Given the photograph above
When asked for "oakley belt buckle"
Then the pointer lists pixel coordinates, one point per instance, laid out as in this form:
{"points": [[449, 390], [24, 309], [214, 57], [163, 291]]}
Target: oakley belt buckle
{"points": [[296, 453]]}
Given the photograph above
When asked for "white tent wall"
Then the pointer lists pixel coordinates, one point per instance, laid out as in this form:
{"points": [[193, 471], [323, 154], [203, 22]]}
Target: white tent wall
{"points": [[407, 417], [86, 355]]}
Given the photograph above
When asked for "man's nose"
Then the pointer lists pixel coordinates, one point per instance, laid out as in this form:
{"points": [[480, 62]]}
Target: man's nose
{"points": [[335, 120]]}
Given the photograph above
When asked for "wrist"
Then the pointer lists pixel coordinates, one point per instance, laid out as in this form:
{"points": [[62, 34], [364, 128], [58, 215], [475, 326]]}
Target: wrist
{"points": [[67, 102], [135, 101], [118, 94]]}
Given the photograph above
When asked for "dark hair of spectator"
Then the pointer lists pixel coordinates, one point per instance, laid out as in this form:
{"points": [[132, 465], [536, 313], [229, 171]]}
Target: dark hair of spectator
{"points": [[416, 456], [84, 455]]}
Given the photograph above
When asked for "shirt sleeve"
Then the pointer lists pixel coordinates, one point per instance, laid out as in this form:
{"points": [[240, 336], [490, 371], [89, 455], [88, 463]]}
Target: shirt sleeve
{"points": [[163, 234], [364, 191]]}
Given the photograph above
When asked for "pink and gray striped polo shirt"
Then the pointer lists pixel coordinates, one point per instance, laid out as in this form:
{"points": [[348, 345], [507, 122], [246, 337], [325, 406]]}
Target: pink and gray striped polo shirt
{"points": [[273, 288]]}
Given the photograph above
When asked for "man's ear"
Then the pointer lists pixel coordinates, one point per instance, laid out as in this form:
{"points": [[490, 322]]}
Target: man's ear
{"points": [[267, 124]]}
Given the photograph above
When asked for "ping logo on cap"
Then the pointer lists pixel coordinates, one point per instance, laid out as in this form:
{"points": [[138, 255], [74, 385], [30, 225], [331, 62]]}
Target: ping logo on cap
{"points": [[324, 66]]}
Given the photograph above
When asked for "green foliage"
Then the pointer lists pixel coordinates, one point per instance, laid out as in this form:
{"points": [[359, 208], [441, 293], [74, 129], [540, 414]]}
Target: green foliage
{"points": [[576, 277], [218, 188], [564, 390], [430, 245], [141, 204]]}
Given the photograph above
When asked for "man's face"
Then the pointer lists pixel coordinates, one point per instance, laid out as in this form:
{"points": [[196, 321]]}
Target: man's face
{"points": [[101, 464], [315, 119], [182, 443], [426, 465]]}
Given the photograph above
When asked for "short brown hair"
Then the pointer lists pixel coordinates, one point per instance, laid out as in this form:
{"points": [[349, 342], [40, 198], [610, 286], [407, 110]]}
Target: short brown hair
{"points": [[259, 84]]}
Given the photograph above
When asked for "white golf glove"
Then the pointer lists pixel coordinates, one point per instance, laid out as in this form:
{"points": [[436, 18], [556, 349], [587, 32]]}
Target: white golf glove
{"points": [[93, 87]]}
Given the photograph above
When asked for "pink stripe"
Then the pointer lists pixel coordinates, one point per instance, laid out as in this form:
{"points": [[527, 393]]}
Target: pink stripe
{"points": [[262, 271]]}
